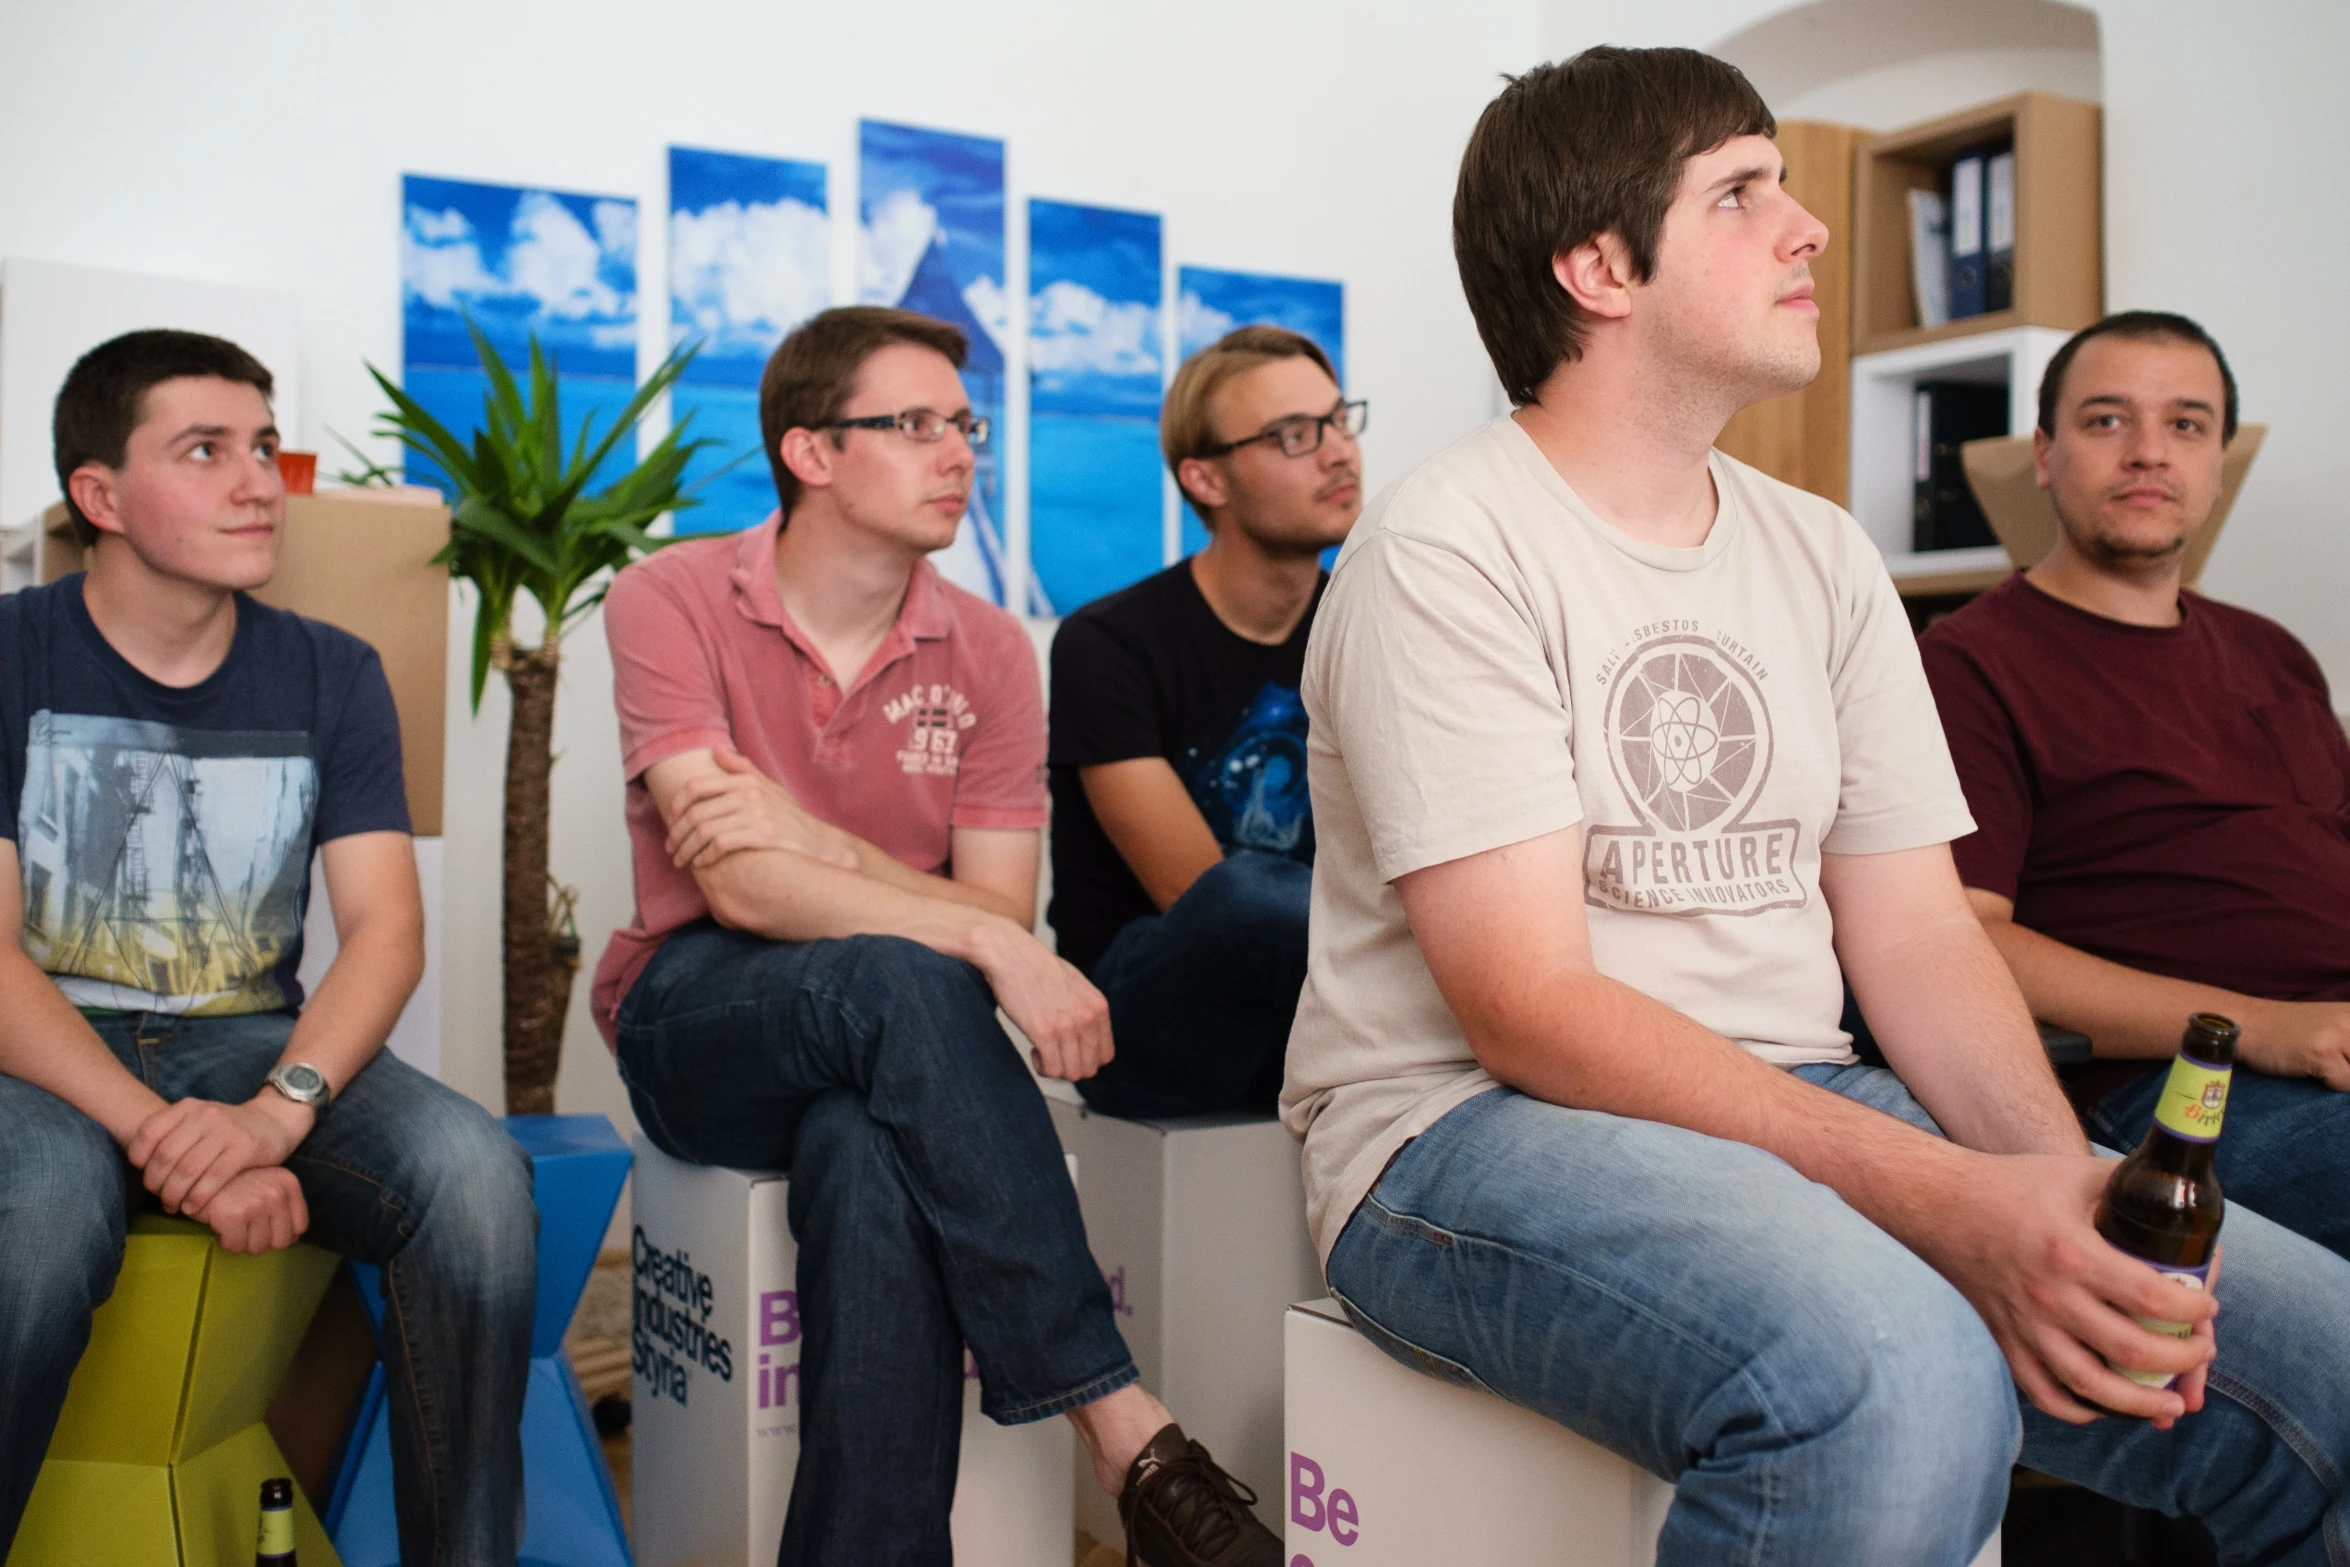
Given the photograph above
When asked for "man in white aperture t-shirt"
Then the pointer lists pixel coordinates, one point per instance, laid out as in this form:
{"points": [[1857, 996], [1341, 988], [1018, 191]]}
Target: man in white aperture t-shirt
{"points": [[1623, 765]]}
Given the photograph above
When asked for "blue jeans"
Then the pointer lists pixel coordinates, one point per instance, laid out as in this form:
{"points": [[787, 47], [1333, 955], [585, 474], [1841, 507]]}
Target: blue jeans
{"points": [[399, 1171], [2286, 1155], [1202, 996], [1818, 1393], [928, 1197]]}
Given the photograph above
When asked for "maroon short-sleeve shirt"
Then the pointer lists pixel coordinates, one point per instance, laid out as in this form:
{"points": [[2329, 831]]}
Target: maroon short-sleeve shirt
{"points": [[943, 729], [2175, 799]]}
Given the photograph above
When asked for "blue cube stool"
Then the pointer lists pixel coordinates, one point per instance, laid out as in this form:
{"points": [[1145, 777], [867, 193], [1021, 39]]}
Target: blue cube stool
{"points": [[572, 1514]]}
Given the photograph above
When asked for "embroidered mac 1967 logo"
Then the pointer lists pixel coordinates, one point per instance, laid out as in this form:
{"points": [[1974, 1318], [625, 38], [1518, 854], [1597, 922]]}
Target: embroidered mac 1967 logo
{"points": [[936, 715], [1689, 737]]}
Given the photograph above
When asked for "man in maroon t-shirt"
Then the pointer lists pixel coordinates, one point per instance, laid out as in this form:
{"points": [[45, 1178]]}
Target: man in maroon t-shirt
{"points": [[835, 770], [2160, 786]]}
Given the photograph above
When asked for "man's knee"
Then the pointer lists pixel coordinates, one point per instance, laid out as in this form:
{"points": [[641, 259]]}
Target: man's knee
{"points": [[62, 1224], [1252, 898], [892, 977], [469, 1184]]}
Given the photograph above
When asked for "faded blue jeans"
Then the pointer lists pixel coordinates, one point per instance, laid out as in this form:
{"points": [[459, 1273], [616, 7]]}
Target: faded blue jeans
{"points": [[399, 1171], [1818, 1393], [1202, 996], [928, 1197]]}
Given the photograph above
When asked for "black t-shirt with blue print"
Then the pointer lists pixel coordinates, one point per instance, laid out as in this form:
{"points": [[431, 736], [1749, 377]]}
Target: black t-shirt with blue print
{"points": [[1151, 671], [164, 834]]}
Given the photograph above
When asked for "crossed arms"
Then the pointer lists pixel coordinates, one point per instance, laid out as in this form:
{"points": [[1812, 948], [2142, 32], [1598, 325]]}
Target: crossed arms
{"points": [[220, 1163], [767, 866], [2002, 1210]]}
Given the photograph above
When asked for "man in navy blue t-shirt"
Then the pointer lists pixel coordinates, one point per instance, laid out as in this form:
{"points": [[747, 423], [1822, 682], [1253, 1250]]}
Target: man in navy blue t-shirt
{"points": [[171, 755]]}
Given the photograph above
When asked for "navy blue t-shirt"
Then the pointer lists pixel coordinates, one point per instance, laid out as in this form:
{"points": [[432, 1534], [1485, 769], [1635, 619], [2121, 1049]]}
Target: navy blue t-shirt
{"points": [[164, 834]]}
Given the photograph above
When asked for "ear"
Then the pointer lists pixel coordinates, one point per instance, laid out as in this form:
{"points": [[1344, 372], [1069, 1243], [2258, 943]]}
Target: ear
{"points": [[809, 456], [2040, 457], [1202, 483], [92, 488], [1597, 275]]}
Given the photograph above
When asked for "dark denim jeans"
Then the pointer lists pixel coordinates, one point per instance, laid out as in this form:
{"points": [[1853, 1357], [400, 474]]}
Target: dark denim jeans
{"points": [[1817, 1392], [928, 1197], [2285, 1154], [1202, 996], [400, 1171]]}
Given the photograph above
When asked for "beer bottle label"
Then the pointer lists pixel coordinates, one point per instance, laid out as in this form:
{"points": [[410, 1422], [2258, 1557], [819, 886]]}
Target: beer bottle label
{"points": [[277, 1532], [2193, 1279], [2194, 1100]]}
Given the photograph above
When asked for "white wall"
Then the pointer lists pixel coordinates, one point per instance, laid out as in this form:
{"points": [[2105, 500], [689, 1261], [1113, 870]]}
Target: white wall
{"points": [[2220, 124], [262, 142]]}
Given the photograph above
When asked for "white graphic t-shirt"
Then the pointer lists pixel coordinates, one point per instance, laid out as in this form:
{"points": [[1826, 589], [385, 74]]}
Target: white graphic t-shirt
{"points": [[1492, 663]]}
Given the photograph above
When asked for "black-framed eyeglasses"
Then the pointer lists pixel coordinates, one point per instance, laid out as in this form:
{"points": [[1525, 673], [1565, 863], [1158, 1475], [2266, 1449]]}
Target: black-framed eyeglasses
{"points": [[1301, 434], [921, 424]]}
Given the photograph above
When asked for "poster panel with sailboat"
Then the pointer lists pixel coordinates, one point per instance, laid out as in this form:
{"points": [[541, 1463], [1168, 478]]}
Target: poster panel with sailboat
{"points": [[750, 257], [1211, 302], [518, 263], [931, 228], [1096, 367]]}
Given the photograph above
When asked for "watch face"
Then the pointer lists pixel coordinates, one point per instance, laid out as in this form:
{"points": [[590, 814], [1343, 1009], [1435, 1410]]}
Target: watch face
{"points": [[304, 1080]]}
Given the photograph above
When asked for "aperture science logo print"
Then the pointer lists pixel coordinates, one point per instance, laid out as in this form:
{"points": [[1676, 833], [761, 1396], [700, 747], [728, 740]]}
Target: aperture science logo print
{"points": [[1689, 738]]}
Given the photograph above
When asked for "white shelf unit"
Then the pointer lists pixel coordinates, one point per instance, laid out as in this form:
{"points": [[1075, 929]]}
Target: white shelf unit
{"points": [[1884, 450]]}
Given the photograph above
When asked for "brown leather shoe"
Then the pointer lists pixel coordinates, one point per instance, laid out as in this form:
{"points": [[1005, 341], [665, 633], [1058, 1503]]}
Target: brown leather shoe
{"points": [[1181, 1510]]}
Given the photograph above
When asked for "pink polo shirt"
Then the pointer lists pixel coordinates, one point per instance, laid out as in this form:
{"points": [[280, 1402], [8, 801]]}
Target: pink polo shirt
{"points": [[943, 729]]}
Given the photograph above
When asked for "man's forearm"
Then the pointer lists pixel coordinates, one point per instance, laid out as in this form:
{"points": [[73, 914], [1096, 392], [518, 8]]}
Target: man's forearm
{"points": [[889, 870], [790, 897], [346, 1020], [2127, 1014], [44, 1041], [1628, 1054], [1947, 1015]]}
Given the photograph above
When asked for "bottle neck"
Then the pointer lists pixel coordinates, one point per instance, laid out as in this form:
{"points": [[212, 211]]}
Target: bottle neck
{"points": [[2191, 1110]]}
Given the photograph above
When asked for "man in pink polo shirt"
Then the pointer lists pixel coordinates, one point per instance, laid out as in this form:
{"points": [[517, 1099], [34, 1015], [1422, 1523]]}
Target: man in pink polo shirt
{"points": [[835, 770]]}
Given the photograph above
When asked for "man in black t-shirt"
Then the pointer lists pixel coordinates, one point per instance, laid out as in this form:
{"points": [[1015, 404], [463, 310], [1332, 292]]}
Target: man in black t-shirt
{"points": [[172, 754], [1183, 837]]}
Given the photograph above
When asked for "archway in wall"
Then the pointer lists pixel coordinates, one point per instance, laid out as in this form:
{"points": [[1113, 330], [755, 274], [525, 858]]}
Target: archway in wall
{"points": [[1878, 64]]}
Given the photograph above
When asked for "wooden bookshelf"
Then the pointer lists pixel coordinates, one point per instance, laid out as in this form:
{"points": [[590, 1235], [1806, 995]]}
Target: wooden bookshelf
{"points": [[1805, 437], [2059, 245]]}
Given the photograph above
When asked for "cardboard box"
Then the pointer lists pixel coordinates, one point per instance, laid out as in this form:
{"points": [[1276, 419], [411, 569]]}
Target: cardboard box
{"points": [[360, 559], [1999, 471], [715, 1339], [1199, 1225], [1389, 1468]]}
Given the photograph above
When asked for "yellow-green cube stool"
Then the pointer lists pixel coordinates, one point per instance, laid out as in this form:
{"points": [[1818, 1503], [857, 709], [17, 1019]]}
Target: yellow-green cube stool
{"points": [[160, 1452]]}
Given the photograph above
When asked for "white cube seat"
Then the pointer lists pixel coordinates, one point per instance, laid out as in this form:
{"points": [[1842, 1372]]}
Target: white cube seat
{"points": [[1390, 1468], [716, 1349], [1199, 1227]]}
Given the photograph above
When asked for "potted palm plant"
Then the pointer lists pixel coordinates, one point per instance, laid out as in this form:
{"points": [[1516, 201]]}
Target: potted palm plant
{"points": [[522, 521]]}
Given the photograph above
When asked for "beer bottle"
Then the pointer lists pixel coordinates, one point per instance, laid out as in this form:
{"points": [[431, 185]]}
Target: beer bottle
{"points": [[2163, 1203], [277, 1525]]}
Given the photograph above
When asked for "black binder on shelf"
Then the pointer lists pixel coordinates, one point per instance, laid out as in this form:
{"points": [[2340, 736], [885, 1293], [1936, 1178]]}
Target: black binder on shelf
{"points": [[1968, 262], [1944, 513], [1999, 230]]}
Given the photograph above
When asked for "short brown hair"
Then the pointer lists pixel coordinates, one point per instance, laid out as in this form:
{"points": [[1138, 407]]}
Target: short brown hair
{"points": [[1570, 151], [105, 396], [2138, 326], [1186, 425], [812, 372]]}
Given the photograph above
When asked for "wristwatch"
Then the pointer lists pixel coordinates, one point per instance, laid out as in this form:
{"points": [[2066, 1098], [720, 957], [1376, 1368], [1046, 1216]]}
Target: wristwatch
{"points": [[301, 1082]]}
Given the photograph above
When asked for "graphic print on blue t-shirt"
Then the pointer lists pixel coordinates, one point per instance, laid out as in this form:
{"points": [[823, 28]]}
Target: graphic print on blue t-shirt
{"points": [[163, 866], [1252, 786]]}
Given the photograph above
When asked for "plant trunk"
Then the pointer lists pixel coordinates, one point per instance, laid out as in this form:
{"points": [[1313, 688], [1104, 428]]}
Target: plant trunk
{"points": [[539, 969]]}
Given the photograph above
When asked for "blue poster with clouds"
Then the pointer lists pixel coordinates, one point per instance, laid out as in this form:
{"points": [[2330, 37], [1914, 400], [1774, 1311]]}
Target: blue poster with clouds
{"points": [[931, 228], [1211, 303], [516, 262], [1096, 369], [750, 257]]}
